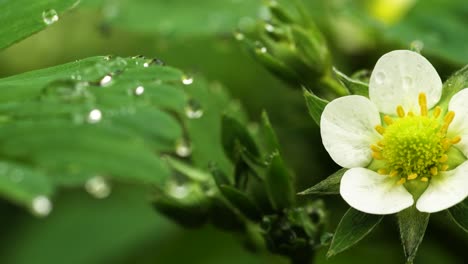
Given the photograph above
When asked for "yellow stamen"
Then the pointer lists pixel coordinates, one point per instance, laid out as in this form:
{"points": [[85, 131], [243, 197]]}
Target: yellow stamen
{"points": [[449, 118], [380, 143], [388, 120], [444, 167], [437, 111], [456, 140], [424, 179], [382, 171], [401, 181], [393, 173], [400, 111], [412, 176], [410, 113], [375, 148], [443, 159], [377, 155], [434, 171], [446, 143], [380, 129], [423, 104]]}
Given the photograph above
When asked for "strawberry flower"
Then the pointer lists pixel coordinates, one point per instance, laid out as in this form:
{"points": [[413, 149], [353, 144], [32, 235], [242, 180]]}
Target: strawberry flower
{"points": [[400, 146]]}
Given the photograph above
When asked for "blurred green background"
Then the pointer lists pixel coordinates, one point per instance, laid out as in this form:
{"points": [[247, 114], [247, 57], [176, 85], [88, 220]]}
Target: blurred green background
{"points": [[197, 37]]}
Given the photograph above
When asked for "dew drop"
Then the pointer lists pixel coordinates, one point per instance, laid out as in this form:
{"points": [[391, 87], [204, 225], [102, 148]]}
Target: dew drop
{"points": [[178, 191], [187, 80], [41, 206], [139, 90], [259, 47], [380, 78], [193, 109], [153, 62], [94, 116], [407, 82], [269, 28], [98, 187], [183, 149], [239, 36], [50, 16], [209, 189], [106, 80], [417, 46]]}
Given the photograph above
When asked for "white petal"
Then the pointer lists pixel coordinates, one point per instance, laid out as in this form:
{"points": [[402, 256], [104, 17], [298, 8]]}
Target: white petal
{"points": [[445, 190], [459, 125], [398, 78], [372, 193], [347, 129]]}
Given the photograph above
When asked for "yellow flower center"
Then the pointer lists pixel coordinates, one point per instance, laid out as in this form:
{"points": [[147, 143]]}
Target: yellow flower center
{"points": [[414, 146]]}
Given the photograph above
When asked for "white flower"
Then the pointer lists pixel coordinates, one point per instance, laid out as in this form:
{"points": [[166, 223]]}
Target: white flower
{"points": [[399, 146]]}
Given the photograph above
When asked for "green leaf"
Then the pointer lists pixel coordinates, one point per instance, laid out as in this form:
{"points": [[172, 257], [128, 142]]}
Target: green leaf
{"points": [[413, 226], [181, 18], [353, 227], [443, 37], [330, 185], [108, 116], [241, 201], [459, 214], [280, 184], [22, 18], [315, 105], [354, 86]]}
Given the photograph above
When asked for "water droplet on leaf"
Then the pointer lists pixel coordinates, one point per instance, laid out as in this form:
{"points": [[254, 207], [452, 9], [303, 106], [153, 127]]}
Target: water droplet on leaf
{"points": [[239, 36], [269, 28], [178, 191], [98, 187], [106, 80], [139, 90], [259, 47], [183, 149], [153, 62], [41, 206], [94, 116], [187, 80], [193, 109], [50, 16]]}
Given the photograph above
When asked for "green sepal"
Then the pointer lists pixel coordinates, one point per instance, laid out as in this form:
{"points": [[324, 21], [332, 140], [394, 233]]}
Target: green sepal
{"points": [[353, 227], [224, 216], [459, 214], [219, 176], [457, 82], [279, 183], [268, 136], [241, 201], [233, 134], [412, 224], [187, 170], [315, 105], [354, 86], [331, 185]]}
